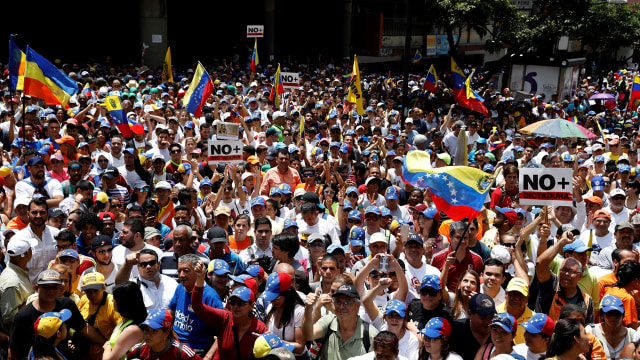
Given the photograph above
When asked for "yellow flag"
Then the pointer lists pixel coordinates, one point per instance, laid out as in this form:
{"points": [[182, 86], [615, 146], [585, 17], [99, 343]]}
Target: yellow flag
{"points": [[355, 89], [167, 74]]}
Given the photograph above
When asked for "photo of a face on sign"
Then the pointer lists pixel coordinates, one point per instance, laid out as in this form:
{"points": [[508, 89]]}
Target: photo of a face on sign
{"points": [[228, 131]]}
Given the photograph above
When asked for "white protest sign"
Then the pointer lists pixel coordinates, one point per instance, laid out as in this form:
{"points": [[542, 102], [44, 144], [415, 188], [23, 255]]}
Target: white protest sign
{"points": [[227, 131], [290, 80], [546, 187], [225, 152], [255, 31]]}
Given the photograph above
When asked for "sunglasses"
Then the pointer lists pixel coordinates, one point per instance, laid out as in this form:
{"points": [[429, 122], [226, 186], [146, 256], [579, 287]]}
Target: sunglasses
{"points": [[375, 274], [316, 245], [144, 189], [235, 302], [510, 245], [286, 134], [429, 291], [176, 151], [372, 217], [103, 160], [353, 221], [148, 263], [309, 175]]}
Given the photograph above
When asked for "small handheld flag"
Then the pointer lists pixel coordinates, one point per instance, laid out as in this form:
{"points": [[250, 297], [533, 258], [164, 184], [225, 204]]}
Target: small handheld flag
{"points": [[355, 88], [199, 91], [277, 90], [167, 74], [431, 81], [17, 62], [254, 57], [114, 107], [417, 57]]}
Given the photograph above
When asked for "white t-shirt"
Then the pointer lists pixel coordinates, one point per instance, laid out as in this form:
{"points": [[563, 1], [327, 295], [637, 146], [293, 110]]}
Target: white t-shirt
{"points": [[238, 208], [321, 227], [524, 351], [120, 254], [53, 187], [289, 330], [414, 277]]}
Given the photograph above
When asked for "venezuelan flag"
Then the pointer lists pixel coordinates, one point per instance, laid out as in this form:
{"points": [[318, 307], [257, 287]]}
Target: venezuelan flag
{"points": [[635, 91], [43, 80], [277, 90], [459, 191], [417, 57], [347, 77], [470, 99], [114, 107], [86, 90], [573, 119], [254, 57], [457, 77], [431, 81], [199, 91], [17, 63]]}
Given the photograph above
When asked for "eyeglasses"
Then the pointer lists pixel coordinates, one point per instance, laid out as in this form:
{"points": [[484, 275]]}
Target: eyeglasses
{"points": [[102, 252], [235, 302], [343, 303], [176, 151], [429, 291], [569, 272], [511, 245], [148, 263], [618, 198]]}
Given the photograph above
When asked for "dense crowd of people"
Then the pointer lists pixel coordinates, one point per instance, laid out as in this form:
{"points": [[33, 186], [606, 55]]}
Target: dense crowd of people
{"points": [[313, 246]]}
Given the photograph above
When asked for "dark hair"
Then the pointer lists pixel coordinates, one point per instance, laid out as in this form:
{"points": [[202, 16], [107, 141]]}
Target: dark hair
{"points": [[181, 208], [137, 226], [84, 185], [130, 303], [261, 221], [39, 201], [43, 348], [146, 251], [635, 185], [243, 217], [563, 336], [66, 235], [329, 257], [569, 309], [627, 272], [291, 299], [136, 208], [616, 255], [150, 204], [386, 339], [283, 151], [175, 145], [493, 262], [287, 242], [185, 195], [275, 205], [89, 219]]}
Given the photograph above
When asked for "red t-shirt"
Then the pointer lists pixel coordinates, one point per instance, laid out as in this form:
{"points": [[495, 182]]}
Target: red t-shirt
{"points": [[222, 321], [471, 261], [143, 351], [509, 198]]}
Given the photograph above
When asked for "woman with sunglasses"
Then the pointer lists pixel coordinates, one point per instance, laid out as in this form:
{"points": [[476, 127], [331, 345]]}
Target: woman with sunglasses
{"points": [[234, 325], [394, 319], [503, 329], [141, 191], [102, 162], [376, 279], [435, 341], [329, 198], [285, 312]]}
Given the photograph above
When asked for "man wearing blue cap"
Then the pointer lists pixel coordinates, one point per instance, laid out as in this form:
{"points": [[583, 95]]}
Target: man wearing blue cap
{"points": [[48, 188], [397, 212], [416, 269]]}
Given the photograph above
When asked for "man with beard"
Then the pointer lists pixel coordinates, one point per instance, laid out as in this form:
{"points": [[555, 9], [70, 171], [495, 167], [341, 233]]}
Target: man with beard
{"points": [[102, 252], [74, 169], [48, 188], [40, 236], [89, 224], [189, 328], [108, 224], [132, 241], [624, 240]]}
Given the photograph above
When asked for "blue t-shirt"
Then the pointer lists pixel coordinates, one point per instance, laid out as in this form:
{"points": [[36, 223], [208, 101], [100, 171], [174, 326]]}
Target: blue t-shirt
{"points": [[190, 329]]}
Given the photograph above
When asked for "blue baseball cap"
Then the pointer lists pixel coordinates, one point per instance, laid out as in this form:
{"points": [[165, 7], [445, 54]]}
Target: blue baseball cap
{"points": [[129, 151], [35, 160], [599, 158], [285, 189], [258, 201], [391, 193], [384, 211], [488, 168], [436, 327], [219, 267], [351, 189], [612, 303], [481, 141], [206, 182], [69, 253], [430, 213], [354, 214], [396, 306], [275, 191], [363, 153], [539, 323], [505, 321], [288, 223], [578, 246], [624, 168], [242, 292], [345, 148], [347, 205], [158, 319], [334, 144], [432, 281], [254, 270], [44, 150], [372, 210], [415, 237], [276, 284], [357, 236], [597, 183]]}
